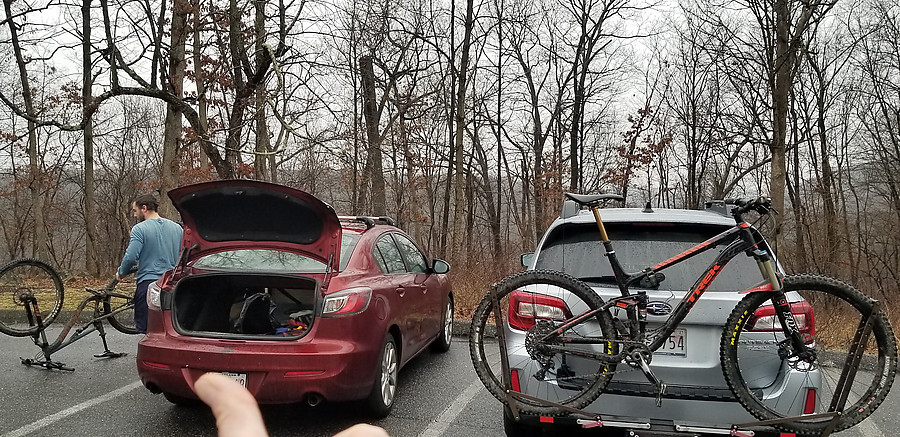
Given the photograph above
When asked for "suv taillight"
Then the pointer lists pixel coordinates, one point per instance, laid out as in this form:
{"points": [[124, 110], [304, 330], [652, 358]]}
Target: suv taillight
{"points": [[765, 320], [525, 307]]}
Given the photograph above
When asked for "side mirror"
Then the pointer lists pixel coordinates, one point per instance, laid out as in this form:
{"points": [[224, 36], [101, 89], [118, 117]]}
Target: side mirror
{"points": [[440, 266], [527, 259]]}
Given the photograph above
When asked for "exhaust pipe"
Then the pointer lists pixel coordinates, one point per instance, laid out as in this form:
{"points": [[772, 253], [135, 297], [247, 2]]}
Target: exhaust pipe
{"points": [[313, 399]]}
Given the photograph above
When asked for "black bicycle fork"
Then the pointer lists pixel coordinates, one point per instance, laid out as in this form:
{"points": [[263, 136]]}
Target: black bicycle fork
{"points": [[33, 313]]}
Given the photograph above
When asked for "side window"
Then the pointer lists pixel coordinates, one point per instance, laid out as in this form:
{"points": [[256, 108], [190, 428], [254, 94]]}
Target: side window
{"points": [[411, 253], [392, 261]]}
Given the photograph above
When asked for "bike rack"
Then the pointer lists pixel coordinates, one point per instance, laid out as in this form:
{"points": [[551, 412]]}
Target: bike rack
{"points": [[845, 382]]}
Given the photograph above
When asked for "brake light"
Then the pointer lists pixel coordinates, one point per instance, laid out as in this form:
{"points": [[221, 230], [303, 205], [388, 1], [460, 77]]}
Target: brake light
{"points": [[765, 320], [347, 302], [525, 308], [154, 296]]}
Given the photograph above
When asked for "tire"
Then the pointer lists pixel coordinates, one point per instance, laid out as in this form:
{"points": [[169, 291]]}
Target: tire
{"points": [[25, 278], [770, 387], [584, 378], [384, 388], [442, 343], [122, 321]]}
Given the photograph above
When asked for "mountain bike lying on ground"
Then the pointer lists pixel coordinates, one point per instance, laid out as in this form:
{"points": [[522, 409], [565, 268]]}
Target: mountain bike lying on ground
{"points": [[784, 369], [29, 285]]}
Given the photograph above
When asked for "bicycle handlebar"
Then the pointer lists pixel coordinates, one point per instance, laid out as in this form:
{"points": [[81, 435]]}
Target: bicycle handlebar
{"points": [[761, 204]]}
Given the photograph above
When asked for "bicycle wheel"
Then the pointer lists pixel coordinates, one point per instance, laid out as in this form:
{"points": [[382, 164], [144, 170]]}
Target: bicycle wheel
{"points": [[531, 305], [771, 384], [123, 318], [20, 280]]}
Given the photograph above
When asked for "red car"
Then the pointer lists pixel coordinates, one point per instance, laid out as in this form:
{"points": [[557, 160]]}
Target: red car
{"points": [[275, 290]]}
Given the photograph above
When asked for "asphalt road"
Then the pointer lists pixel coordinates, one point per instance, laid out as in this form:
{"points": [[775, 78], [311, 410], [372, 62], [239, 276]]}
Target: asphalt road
{"points": [[439, 395]]}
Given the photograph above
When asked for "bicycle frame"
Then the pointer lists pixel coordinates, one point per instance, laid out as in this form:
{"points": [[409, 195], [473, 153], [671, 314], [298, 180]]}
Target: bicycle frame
{"points": [[33, 313], [739, 239]]}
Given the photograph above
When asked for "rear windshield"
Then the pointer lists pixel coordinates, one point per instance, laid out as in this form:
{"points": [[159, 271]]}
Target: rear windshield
{"points": [[261, 260], [576, 249]]}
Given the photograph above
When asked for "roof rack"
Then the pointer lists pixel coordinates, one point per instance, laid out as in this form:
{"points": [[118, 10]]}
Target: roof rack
{"points": [[369, 221]]}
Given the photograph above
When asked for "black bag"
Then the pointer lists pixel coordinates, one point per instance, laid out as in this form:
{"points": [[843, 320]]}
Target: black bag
{"points": [[257, 315]]}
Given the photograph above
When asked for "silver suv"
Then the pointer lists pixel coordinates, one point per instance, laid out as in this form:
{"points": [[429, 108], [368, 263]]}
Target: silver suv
{"points": [[697, 399]]}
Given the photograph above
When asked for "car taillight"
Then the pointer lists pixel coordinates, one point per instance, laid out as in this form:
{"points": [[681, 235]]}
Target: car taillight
{"points": [[765, 320], [154, 296], [525, 308], [347, 302]]}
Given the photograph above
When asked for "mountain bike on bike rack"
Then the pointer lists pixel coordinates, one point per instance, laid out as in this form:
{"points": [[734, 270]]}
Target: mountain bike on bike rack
{"points": [[31, 284], [782, 368]]}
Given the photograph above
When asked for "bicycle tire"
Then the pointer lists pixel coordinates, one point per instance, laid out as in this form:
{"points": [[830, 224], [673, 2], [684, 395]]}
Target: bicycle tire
{"points": [[770, 387], [574, 381], [28, 277], [122, 321]]}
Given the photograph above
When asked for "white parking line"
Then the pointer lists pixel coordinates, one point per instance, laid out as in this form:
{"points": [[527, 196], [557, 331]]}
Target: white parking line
{"points": [[869, 429], [439, 425], [53, 418]]}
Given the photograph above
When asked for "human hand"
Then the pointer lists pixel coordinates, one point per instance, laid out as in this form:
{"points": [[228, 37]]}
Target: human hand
{"points": [[363, 430], [236, 411]]}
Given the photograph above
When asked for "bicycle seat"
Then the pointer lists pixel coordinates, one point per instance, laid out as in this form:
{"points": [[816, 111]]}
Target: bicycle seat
{"points": [[593, 199]]}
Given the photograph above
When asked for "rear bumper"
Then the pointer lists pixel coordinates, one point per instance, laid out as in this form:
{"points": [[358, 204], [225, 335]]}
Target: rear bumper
{"points": [[277, 371]]}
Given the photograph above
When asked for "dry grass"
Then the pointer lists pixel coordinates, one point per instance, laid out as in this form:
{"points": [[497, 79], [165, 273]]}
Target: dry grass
{"points": [[73, 291], [470, 284]]}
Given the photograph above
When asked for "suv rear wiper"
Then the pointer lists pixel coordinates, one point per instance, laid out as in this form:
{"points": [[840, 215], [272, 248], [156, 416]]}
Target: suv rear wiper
{"points": [[605, 279]]}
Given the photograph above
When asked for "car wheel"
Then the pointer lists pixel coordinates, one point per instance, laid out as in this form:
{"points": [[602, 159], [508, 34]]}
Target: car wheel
{"points": [[182, 401], [442, 342], [384, 388]]}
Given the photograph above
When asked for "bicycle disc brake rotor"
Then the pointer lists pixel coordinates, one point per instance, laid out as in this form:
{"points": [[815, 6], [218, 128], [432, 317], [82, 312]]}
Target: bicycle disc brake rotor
{"points": [[22, 295]]}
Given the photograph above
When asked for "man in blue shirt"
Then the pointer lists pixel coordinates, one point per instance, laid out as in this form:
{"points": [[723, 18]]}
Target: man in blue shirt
{"points": [[153, 247]]}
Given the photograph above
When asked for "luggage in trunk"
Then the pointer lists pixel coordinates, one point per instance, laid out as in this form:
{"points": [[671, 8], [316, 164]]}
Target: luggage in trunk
{"points": [[240, 305]]}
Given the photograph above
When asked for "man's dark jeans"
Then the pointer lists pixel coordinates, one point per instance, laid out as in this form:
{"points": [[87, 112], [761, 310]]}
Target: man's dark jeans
{"points": [[140, 305]]}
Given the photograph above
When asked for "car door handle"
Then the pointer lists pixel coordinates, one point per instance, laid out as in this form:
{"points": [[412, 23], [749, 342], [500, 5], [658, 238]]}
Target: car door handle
{"points": [[401, 291]]}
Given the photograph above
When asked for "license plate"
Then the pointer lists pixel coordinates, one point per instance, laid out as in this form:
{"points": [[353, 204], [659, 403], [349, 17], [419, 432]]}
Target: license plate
{"points": [[241, 378], [675, 346]]}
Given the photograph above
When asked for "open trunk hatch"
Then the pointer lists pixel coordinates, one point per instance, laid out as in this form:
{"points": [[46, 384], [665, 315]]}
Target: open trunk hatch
{"points": [[244, 305]]}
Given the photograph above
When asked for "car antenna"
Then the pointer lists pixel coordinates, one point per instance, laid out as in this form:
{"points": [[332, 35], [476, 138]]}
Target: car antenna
{"points": [[647, 207]]}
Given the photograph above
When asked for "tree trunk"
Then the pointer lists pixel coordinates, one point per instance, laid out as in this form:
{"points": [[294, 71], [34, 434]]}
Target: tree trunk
{"points": [[262, 130], [374, 171], [460, 119], [172, 134], [35, 174], [236, 117], [91, 263], [200, 80]]}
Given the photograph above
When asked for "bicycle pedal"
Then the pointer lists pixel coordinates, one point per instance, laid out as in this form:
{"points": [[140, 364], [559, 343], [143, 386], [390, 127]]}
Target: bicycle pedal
{"points": [[661, 391], [110, 354]]}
